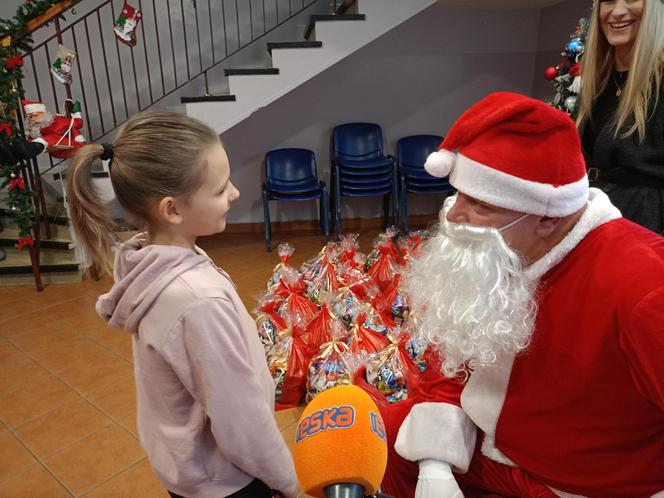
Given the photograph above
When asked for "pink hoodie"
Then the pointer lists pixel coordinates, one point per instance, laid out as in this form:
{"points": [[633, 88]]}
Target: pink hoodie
{"points": [[205, 395]]}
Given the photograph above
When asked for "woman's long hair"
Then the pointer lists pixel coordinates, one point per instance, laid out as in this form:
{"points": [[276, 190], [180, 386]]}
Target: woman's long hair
{"points": [[642, 89]]}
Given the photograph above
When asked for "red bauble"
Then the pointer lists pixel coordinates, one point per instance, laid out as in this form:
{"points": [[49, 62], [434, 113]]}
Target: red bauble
{"points": [[550, 73]]}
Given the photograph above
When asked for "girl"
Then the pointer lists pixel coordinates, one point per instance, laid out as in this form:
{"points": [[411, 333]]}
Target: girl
{"points": [[204, 394], [621, 114]]}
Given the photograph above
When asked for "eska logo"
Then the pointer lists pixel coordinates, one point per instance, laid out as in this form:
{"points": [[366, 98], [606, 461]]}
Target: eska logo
{"points": [[378, 426], [335, 417]]}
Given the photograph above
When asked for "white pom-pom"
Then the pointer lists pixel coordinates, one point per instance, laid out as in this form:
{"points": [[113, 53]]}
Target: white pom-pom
{"points": [[439, 164]]}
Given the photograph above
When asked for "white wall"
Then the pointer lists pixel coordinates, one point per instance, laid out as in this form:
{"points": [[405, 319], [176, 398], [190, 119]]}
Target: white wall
{"points": [[417, 78]]}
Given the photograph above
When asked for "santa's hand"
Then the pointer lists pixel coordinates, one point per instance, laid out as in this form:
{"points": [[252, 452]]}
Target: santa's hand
{"points": [[436, 481]]}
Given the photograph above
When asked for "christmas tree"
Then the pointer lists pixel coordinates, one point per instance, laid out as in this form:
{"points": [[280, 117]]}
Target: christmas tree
{"points": [[566, 76]]}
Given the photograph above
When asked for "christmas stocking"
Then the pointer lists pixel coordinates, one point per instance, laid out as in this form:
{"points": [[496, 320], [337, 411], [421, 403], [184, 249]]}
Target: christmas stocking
{"points": [[125, 25]]}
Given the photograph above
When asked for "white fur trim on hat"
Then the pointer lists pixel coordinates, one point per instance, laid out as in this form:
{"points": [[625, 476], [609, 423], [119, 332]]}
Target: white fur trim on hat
{"points": [[510, 192], [440, 163], [36, 107]]}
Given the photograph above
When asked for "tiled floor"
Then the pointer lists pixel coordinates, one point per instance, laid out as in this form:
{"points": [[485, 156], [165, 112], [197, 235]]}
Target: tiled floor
{"points": [[67, 396]]}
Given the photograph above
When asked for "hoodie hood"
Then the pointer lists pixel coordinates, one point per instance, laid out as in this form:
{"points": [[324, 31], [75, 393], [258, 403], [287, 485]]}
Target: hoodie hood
{"points": [[141, 274]]}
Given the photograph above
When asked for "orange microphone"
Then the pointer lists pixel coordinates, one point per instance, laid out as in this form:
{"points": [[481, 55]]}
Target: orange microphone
{"points": [[340, 445]]}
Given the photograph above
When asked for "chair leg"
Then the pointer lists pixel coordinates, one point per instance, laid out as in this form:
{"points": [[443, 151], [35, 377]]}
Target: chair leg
{"points": [[324, 215], [338, 229], [266, 222], [386, 211], [403, 206]]}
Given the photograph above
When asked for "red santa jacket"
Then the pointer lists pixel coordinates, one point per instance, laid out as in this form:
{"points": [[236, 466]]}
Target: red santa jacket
{"points": [[582, 408]]}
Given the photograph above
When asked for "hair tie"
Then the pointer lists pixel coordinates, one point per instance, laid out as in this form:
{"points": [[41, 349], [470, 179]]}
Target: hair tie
{"points": [[108, 152]]}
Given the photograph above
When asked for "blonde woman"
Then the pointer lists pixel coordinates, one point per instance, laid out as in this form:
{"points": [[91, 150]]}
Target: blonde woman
{"points": [[621, 113]]}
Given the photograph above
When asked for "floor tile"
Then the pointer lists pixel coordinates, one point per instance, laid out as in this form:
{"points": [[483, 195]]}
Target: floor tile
{"points": [[128, 422], [111, 338], [61, 427], [10, 327], [44, 337], [61, 353], [117, 400], [13, 456], [95, 459], [33, 482], [80, 312], [19, 372], [287, 417], [34, 399], [137, 481], [9, 352], [98, 370]]}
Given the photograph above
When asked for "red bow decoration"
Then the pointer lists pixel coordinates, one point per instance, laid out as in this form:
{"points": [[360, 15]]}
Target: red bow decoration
{"points": [[7, 128], [14, 61], [17, 182], [23, 241]]}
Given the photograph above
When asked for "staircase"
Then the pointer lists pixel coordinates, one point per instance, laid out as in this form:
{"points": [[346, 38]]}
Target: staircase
{"points": [[329, 39], [253, 53]]}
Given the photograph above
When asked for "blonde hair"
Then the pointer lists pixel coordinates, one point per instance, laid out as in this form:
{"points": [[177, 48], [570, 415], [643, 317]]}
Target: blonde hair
{"points": [[156, 154], [637, 102]]}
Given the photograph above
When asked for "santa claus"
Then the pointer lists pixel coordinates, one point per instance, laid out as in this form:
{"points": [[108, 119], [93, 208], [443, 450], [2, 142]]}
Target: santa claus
{"points": [[546, 308], [61, 135]]}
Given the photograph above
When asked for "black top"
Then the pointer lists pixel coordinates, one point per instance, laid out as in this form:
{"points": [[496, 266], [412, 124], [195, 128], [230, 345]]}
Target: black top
{"points": [[631, 173]]}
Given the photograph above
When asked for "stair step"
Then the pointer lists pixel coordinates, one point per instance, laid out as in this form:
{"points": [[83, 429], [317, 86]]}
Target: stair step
{"points": [[330, 17], [60, 238], [53, 260], [294, 44], [248, 71], [53, 220], [207, 98], [95, 174]]}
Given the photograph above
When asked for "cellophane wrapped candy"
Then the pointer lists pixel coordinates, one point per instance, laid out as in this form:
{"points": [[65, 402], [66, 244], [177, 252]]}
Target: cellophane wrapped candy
{"points": [[288, 366], [285, 251], [269, 324], [295, 307], [389, 370], [383, 261], [364, 340], [329, 368]]}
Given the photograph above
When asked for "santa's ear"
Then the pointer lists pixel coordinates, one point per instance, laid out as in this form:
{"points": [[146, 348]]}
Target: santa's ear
{"points": [[168, 211], [546, 226]]}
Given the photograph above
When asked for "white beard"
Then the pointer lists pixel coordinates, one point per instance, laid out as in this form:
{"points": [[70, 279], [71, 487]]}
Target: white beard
{"points": [[469, 295], [33, 130]]}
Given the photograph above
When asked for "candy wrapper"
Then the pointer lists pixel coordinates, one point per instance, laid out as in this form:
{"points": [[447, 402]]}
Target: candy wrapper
{"points": [[289, 367], [350, 254], [285, 251], [326, 280], [269, 324], [360, 284], [391, 304], [311, 268], [329, 368], [365, 340], [391, 370], [293, 307]]}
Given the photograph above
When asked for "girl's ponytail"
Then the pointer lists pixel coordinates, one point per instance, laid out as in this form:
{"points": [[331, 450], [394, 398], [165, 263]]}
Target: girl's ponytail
{"points": [[88, 212]]}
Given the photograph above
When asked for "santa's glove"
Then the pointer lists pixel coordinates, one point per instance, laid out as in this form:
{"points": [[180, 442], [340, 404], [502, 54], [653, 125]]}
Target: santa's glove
{"points": [[436, 481]]}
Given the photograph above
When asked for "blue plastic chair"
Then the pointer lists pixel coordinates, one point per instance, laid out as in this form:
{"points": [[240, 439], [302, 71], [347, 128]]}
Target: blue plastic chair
{"points": [[291, 176], [360, 168], [412, 153]]}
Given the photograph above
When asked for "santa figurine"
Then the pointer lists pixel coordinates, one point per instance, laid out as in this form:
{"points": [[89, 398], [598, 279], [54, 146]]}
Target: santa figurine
{"points": [[60, 135]]}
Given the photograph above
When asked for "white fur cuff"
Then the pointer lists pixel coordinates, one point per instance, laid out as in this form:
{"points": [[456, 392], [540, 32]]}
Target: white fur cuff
{"points": [[437, 431]]}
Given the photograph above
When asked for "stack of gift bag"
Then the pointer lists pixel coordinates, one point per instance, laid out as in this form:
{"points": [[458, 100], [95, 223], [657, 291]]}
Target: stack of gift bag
{"points": [[341, 318]]}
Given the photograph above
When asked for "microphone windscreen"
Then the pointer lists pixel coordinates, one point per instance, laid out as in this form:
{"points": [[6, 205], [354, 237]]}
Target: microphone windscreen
{"points": [[340, 438]]}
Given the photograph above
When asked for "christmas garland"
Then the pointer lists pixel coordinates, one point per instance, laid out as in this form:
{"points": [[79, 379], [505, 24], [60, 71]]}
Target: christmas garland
{"points": [[11, 63]]}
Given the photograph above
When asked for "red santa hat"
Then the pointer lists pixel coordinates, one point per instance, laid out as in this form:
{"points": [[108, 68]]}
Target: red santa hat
{"points": [[30, 106], [515, 152]]}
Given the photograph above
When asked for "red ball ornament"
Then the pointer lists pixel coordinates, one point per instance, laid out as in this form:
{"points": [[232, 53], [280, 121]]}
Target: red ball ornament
{"points": [[550, 73]]}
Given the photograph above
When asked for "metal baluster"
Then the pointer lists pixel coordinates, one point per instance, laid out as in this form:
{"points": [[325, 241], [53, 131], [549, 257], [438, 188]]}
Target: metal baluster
{"points": [[186, 48], [170, 29], [94, 76], [108, 77], [145, 51], [117, 50], [161, 64]]}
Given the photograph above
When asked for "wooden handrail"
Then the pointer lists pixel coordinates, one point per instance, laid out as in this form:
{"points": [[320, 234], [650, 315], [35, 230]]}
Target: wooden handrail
{"points": [[36, 23]]}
